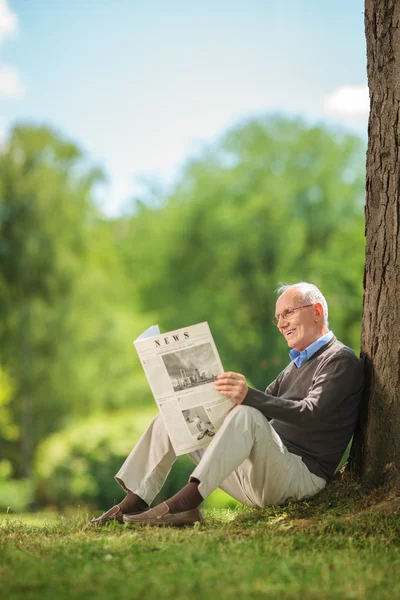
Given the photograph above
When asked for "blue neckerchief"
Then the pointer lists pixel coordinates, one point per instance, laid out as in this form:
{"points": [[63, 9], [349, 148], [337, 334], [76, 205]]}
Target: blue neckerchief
{"points": [[298, 358]]}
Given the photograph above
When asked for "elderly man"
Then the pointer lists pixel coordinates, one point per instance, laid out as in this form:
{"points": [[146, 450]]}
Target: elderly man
{"points": [[283, 443]]}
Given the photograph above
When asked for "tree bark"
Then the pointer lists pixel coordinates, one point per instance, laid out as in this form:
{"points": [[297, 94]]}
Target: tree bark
{"points": [[377, 448]]}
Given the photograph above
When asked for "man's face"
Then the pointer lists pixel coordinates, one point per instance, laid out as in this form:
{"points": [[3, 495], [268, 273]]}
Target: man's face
{"points": [[304, 326]]}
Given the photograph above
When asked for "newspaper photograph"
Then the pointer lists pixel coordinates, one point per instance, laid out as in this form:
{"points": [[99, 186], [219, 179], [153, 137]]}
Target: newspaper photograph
{"points": [[181, 367]]}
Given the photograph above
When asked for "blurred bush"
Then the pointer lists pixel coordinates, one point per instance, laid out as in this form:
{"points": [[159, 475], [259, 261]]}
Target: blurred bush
{"points": [[76, 466], [15, 495]]}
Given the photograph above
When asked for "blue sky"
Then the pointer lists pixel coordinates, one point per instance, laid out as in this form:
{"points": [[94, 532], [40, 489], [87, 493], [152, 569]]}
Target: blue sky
{"points": [[140, 86]]}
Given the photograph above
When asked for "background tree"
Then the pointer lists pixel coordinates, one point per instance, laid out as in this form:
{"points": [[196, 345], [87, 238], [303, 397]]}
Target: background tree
{"points": [[42, 242], [378, 451], [64, 320]]}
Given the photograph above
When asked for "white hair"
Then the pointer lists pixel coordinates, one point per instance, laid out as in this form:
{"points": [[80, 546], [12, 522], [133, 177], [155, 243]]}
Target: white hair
{"points": [[309, 294]]}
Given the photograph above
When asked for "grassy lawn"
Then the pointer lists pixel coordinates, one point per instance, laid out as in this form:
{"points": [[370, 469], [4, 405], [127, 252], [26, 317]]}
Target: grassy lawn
{"points": [[341, 544]]}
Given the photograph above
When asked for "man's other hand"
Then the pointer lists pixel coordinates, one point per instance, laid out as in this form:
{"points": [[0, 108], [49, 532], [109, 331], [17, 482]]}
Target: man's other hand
{"points": [[232, 385]]}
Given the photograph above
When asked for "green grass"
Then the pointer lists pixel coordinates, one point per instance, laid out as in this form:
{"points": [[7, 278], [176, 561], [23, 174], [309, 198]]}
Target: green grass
{"points": [[341, 544]]}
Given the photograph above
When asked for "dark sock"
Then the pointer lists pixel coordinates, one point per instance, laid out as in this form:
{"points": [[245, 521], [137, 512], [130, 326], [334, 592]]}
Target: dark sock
{"points": [[189, 497], [132, 503]]}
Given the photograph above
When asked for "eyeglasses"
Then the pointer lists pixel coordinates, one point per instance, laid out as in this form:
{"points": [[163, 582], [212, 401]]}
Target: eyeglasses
{"points": [[285, 314]]}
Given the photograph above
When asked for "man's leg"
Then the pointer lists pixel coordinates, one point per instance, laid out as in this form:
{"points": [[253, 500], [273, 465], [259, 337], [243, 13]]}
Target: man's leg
{"points": [[149, 463], [143, 473], [267, 472], [249, 461]]}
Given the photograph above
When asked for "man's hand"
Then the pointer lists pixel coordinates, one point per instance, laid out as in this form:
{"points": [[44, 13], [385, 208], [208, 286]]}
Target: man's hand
{"points": [[232, 385]]}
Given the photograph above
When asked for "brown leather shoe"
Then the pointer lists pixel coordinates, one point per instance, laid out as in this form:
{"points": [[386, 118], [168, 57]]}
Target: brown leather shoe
{"points": [[113, 514], [161, 516]]}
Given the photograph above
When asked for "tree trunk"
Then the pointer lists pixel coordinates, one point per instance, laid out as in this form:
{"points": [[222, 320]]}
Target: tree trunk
{"points": [[378, 441]]}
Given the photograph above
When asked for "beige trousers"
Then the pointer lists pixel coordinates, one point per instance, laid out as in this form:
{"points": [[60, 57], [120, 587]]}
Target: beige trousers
{"points": [[246, 458]]}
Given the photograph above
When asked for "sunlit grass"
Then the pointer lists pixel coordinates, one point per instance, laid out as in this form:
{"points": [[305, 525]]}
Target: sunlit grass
{"points": [[340, 544]]}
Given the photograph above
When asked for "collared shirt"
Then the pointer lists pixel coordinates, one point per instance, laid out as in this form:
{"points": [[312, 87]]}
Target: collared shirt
{"points": [[298, 358]]}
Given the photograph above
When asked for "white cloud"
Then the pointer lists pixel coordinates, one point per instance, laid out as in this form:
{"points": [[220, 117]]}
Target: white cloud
{"points": [[348, 101], [10, 82], [8, 21]]}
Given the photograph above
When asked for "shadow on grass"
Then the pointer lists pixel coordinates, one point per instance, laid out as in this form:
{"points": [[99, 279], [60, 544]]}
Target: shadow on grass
{"points": [[344, 505]]}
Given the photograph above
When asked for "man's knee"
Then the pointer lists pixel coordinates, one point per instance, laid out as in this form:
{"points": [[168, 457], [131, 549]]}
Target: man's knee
{"points": [[248, 415], [156, 426]]}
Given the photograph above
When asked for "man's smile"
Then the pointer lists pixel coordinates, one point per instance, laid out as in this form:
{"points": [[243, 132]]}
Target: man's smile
{"points": [[287, 333]]}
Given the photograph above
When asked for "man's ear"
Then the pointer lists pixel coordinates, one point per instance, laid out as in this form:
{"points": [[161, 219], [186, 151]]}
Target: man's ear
{"points": [[319, 309]]}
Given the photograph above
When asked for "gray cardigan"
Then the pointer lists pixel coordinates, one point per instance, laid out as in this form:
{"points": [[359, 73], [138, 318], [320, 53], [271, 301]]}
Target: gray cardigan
{"points": [[314, 408]]}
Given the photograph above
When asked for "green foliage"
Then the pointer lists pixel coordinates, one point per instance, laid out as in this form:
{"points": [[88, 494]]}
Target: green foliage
{"points": [[77, 466], [8, 429], [67, 315], [15, 495], [44, 215]]}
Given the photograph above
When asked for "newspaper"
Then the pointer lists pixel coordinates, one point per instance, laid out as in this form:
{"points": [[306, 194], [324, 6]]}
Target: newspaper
{"points": [[181, 367]]}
